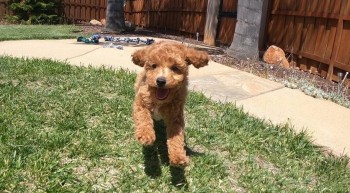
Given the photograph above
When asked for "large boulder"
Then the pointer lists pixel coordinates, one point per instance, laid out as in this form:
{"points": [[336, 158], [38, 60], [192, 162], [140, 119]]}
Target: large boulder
{"points": [[275, 55]]}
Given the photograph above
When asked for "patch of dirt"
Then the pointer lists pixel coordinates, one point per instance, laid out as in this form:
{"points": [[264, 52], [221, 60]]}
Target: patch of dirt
{"points": [[311, 84]]}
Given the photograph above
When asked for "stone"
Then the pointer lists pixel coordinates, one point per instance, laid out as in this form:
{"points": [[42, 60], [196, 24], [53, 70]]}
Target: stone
{"points": [[129, 26], [103, 22], [95, 22], [275, 55]]}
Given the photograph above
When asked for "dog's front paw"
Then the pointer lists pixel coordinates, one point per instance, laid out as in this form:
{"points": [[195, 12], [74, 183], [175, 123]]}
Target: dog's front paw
{"points": [[145, 138], [181, 161]]}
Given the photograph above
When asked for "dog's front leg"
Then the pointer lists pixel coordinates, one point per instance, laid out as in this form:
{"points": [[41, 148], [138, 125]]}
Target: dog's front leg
{"points": [[144, 131], [175, 142]]}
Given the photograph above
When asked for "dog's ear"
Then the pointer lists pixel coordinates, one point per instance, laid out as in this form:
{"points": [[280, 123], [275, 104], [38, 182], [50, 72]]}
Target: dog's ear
{"points": [[196, 58], [139, 57]]}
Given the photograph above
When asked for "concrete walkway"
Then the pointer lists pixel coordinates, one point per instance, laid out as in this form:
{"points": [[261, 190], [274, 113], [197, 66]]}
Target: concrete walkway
{"points": [[327, 122]]}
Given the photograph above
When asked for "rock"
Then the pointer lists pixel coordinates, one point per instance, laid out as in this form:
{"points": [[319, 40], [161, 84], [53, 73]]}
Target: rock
{"points": [[129, 26], [103, 22], [275, 55], [95, 22]]}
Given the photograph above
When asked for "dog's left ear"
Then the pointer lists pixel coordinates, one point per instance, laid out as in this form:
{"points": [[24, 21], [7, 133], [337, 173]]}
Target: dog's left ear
{"points": [[139, 57], [196, 58]]}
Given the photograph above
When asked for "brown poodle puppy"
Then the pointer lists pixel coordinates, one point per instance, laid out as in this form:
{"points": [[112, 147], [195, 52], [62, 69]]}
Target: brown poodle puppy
{"points": [[161, 90]]}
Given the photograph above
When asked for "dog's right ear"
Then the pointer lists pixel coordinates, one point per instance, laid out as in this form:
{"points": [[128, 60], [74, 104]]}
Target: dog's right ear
{"points": [[197, 58], [139, 57]]}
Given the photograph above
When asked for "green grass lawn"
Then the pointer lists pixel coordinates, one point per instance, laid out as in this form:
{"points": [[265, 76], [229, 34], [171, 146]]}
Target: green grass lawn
{"points": [[24, 32], [69, 129]]}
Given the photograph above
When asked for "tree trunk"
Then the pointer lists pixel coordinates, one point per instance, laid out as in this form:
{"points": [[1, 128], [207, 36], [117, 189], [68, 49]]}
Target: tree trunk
{"points": [[249, 29], [115, 20]]}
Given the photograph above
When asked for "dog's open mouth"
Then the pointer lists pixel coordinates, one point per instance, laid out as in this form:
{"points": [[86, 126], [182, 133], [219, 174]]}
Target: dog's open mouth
{"points": [[162, 93]]}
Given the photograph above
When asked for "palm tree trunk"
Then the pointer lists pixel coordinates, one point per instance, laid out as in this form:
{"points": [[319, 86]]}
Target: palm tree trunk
{"points": [[115, 20], [249, 29]]}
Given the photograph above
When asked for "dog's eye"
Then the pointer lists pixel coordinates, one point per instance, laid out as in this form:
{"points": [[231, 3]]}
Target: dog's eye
{"points": [[154, 66], [175, 68]]}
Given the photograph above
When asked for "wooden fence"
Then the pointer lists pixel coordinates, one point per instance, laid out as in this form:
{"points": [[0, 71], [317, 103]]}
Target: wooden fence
{"points": [[72, 10], [182, 17], [168, 15], [84, 10], [315, 32], [4, 8], [185, 17]]}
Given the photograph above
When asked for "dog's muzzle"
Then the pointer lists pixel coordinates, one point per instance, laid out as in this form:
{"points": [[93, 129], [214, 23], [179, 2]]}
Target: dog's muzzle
{"points": [[161, 81], [161, 92]]}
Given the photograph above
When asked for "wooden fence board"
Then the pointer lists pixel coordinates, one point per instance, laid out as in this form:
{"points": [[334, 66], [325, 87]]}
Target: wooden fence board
{"points": [[225, 33], [271, 30], [307, 43], [299, 22], [280, 30], [331, 29], [347, 9], [289, 32], [229, 6], [275, 5], [321, 41], [301, 6], [344, 48]]}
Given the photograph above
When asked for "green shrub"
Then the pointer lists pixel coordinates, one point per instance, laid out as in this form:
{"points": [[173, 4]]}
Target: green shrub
{"points": [[34, 11]]}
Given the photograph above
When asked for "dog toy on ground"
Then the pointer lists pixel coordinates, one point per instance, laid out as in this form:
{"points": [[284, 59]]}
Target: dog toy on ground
{"points": [[94, 39], [112, 45], [129, 40]]}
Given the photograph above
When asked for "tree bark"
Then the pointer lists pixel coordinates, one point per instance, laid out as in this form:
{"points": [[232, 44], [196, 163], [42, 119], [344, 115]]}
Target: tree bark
{"points": [[249, 29], [115, 20]]}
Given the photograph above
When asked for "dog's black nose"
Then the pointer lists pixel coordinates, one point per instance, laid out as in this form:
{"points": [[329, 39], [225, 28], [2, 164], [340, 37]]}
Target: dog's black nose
{"points": [[161, 81]]}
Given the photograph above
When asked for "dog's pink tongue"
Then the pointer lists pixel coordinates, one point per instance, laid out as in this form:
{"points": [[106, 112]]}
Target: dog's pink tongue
{"points": [[162, 93]]}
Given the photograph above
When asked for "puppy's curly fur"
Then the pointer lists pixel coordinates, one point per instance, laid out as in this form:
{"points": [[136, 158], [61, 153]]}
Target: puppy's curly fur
{"points": [[161, 90]]}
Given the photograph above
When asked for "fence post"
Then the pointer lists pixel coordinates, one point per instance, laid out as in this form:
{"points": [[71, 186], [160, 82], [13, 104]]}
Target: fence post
{"points": [[211, 22], [337, 40]]}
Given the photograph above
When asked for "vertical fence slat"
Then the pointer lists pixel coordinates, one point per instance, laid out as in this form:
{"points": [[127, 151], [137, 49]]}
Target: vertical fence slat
{"points": [[321, 40], [337, 40], [332, 29]]}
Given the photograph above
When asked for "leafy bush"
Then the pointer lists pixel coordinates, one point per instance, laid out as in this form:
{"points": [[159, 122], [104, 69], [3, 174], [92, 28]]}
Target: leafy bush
{"points": [[34, 11]]}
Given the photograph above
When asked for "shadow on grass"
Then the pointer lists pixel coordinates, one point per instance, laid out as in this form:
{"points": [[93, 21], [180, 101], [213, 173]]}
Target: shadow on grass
{"points": [[157, 155]]}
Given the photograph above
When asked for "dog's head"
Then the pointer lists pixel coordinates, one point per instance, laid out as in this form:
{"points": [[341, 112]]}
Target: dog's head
{"points": [[166, 65]]}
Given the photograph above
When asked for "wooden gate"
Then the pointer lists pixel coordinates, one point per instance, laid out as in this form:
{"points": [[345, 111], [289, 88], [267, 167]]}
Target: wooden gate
{"points": [[227, 22]]}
